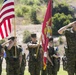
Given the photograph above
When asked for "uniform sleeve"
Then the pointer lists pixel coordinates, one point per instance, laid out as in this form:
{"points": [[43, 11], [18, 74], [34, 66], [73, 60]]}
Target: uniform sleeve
{"points": [[54, 52], [40, 47], [1, 48], [28, 46], [66, 31], [5, 48], [20, 53], [20, 50]]}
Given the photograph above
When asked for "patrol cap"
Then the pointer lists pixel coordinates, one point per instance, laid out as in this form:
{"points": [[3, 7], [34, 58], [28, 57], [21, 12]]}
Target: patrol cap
{"points": [[33, 35], [12, 38], [51, 39], [19, 45]]}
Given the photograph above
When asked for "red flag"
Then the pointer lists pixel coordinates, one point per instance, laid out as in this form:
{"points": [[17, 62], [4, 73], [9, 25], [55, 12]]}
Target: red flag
{"points": [[46, 30], [6, 13]]}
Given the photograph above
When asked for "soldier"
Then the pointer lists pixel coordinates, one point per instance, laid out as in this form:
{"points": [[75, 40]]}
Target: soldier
{"points": [[34, 57], [51, 59], [70, 34], [23, 63], [6, 55], [1, 58], [13, 61]]}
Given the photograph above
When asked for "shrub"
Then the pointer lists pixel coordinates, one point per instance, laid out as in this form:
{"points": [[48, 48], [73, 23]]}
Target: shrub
{"points": [[33, 16], [60, 20], [21, 10], [26, 36]]}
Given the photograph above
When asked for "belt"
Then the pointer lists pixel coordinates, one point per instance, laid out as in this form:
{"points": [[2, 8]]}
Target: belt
{"points": [[15, 57], [12, 57]]}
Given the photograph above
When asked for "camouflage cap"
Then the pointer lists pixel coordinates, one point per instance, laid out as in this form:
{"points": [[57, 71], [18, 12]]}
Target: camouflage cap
{"points": [[33, 35], [50, 39], [12, 38]]}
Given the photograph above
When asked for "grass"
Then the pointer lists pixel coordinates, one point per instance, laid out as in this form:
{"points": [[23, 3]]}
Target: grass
{"points": [[61, 72]]}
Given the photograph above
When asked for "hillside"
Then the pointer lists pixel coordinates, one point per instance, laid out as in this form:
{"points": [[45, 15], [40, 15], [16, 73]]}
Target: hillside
{"points": [[23, 11]]}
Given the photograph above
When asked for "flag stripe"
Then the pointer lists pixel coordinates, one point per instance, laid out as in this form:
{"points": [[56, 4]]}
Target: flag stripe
{"points": [[9, 25], [8, 1], [2, 36], [7, 5], [7, 8], [5, 28], [4, 17], [7, 11]]}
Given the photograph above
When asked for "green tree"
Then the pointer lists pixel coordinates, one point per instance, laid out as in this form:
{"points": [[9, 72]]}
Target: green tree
{"points": [[21, 10], [60, 20], [62, 8], [30, 2], [33, 15], [26, 36]]}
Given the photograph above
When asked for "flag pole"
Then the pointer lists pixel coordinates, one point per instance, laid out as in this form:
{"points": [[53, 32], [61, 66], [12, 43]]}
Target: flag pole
{"points": [[15, 36], [38, 47]]}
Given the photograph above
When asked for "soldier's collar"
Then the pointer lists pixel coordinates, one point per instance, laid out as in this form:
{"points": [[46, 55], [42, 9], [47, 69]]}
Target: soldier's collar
{"points": [[72, 31], [34, 42]]}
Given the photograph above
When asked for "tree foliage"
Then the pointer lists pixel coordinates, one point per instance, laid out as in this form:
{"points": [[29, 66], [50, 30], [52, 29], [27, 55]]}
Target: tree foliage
{"points": [[60, 20], [62, 8], [62, 15], [33, 15], [26, 36], [21, 10]]}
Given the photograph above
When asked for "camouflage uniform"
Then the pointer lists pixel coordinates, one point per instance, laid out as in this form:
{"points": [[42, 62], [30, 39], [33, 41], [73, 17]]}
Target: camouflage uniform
{"points": [[51, 70], [34, 63], [7, 59], [13, 64], [71, 51], [1, 59], [23, 64]]}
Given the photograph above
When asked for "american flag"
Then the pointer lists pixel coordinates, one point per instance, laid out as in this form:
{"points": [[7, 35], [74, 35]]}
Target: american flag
{"points": [[6, 13]]}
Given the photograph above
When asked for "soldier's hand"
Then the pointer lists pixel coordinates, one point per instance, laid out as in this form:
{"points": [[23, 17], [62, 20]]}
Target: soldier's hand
{"points": [[20, 64], [71, 24], [55, 56], [52, 64]]}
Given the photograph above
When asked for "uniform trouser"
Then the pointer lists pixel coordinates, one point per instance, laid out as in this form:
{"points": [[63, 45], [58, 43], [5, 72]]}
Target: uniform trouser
{"points": [[7, 65], [71, 65], [7, 71], [51, 70], [14, 67], [34, 68], [43, 72], [0, 68], [22, 69]]}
